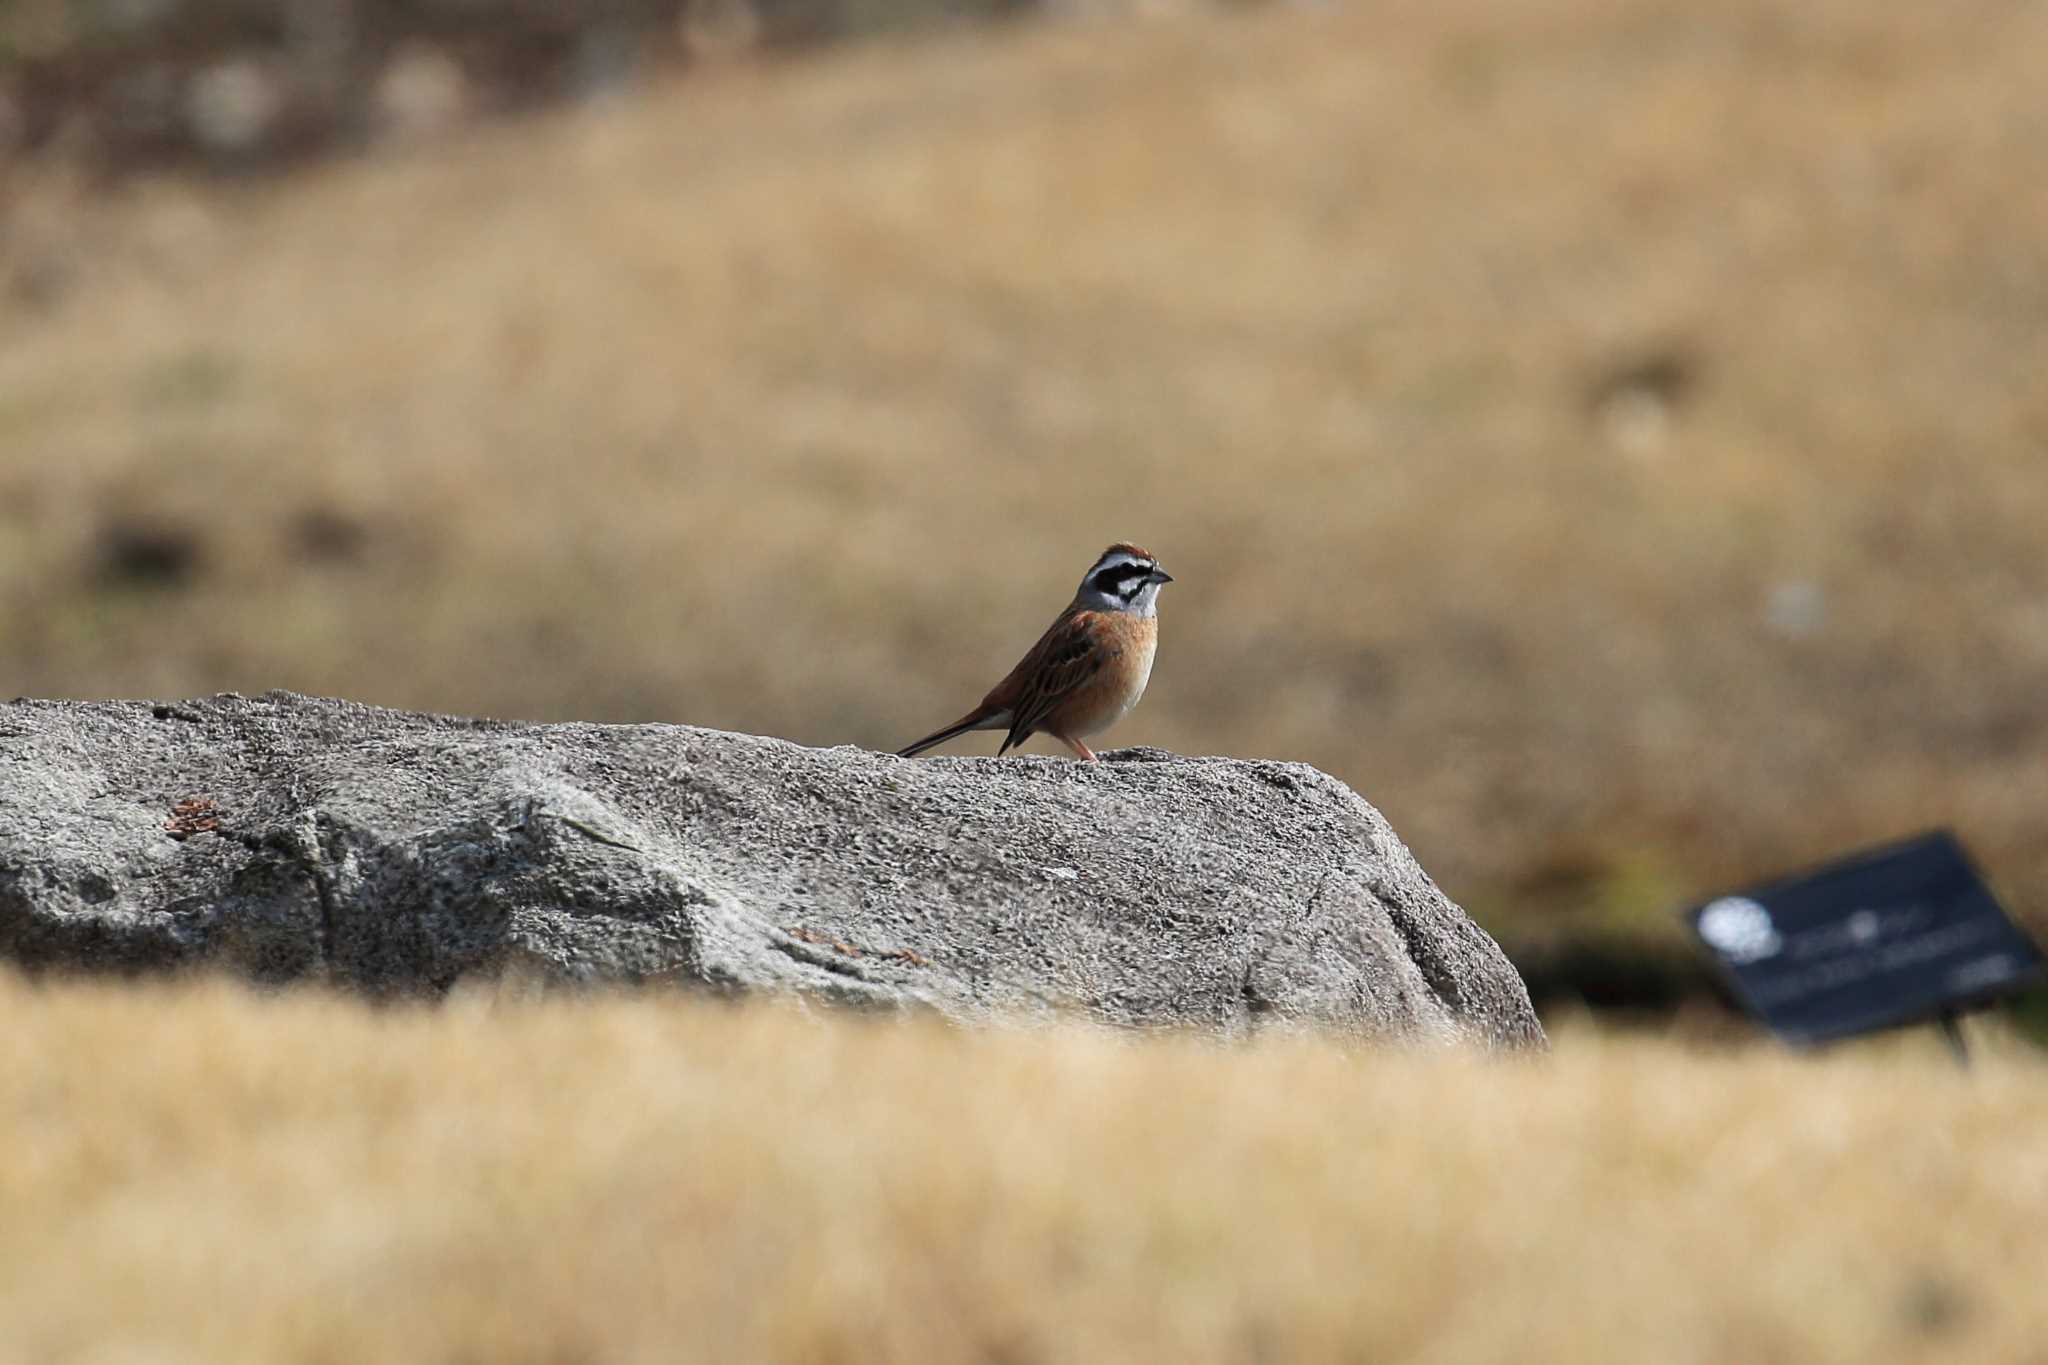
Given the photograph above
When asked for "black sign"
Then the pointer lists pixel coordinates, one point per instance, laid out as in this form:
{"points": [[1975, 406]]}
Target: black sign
{"points": [[1891, 936]]}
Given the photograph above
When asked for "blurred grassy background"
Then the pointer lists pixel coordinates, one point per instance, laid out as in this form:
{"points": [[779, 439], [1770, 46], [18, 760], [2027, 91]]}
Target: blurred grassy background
{"points": [[201, 1175], [1608, 433]]}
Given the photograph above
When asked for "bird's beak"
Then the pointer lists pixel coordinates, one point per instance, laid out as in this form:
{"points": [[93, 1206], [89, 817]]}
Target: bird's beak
{"points": [[1159, 576]]}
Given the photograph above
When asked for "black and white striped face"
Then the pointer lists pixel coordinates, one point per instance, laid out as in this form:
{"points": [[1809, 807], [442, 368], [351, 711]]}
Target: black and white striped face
{"points": [[1124, 579]]}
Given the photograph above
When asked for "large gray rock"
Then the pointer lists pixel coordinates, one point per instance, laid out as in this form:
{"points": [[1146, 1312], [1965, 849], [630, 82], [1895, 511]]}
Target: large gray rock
{"points": [[287, 838]]}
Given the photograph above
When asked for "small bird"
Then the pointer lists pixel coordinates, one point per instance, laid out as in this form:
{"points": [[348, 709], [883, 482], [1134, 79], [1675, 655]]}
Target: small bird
{"points": [[1087, 670]]}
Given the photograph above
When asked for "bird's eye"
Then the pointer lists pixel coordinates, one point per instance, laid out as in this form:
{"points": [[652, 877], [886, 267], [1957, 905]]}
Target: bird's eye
{"points": [[1111, 581]]}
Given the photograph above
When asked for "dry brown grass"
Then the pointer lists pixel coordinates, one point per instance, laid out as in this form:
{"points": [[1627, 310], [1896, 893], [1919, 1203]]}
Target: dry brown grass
{"points": [[198, 1174], [794, 398]]}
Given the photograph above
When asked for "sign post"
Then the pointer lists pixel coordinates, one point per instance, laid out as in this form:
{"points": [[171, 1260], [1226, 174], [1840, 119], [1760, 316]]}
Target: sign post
{"points": [[1952, 1034], [1891, 936]]}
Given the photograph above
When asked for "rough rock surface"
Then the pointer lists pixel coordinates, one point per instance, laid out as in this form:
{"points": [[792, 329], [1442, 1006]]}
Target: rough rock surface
{"points": [[289, 837]]}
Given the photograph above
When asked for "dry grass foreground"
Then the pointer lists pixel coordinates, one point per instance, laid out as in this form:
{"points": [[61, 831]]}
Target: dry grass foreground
{"points": [[1608, 432], [199, 1174]]}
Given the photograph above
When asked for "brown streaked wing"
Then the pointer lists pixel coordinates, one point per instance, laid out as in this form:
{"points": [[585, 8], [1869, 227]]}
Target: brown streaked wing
{"points": [[1065, 659]]}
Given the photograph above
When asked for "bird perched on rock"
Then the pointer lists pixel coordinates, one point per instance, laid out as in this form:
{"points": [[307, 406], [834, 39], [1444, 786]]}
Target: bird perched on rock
{"points": [[1087, 670]]}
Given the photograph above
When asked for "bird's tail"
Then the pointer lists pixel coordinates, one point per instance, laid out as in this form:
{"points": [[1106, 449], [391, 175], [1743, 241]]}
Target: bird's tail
{"points": [[974, 720]]}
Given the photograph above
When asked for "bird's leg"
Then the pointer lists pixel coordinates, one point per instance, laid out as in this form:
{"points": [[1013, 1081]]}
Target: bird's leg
{"points": [[1087, 754]]}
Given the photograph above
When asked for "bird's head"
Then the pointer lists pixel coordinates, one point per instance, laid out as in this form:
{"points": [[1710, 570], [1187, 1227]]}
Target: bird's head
{"points": [[1124, 578]]}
